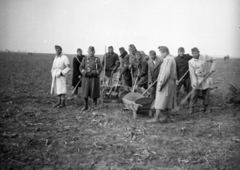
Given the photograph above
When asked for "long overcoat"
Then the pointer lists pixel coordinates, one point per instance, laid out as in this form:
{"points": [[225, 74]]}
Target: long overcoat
{"points": [[76, 70], [166, 98], [60, 65], [91, 86]]}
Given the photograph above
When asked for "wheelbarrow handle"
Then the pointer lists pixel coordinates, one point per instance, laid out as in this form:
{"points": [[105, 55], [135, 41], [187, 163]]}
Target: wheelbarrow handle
{"points": [[149, 87]]}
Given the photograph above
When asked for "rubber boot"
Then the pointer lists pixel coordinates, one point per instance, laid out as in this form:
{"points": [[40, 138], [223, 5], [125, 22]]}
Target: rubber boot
{"points": [[58, 104], [62, 103], [85, 108], [155, 119]]}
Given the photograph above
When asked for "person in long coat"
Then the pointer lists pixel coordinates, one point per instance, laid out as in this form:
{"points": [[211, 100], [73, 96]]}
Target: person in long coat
{"points": [[90, 69], [166, 87], [110, 64], [76, 70], [125, 73], [142, 71], [60, 68], [154, 66], [200, 66], [183, 71]]}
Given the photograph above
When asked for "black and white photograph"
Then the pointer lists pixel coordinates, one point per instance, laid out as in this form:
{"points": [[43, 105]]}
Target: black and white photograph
{"points": [[119, 85]]}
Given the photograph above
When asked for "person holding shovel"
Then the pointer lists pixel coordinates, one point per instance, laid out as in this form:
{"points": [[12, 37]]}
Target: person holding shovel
{"points": [[60, 68], [154, 66], [199, 68], [110, 63], [166, 88], [76, 72], [183, 71], [90, 69]]}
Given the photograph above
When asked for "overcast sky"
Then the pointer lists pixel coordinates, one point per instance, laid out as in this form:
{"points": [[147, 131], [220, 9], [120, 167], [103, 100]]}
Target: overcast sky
{"points": [[37, 25]]}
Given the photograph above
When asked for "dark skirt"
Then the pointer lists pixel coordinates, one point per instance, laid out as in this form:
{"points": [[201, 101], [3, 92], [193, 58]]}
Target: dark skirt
{"points": [[91, 87]]}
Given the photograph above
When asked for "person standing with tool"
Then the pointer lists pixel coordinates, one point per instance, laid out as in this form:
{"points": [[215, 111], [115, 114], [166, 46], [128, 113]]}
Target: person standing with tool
{"points": [[183, 71], [154, 66], [200, 70], [76, 72], [90, 69], [110, 64]]}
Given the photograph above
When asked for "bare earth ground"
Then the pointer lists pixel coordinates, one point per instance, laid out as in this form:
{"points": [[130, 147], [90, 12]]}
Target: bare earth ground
{"points": [[33, 135]]}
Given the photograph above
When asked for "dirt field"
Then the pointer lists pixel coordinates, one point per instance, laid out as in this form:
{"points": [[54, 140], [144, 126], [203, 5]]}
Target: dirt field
{"points": [[33, 135]]}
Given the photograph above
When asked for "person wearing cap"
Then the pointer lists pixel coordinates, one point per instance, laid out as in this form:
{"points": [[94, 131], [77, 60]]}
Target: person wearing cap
{"points": [[76, 70], [90, 69], [199, 67], [165, 99], [141, 67], [154, 66], [183, 71], [60, 68], [125, 72], [110, 63]]}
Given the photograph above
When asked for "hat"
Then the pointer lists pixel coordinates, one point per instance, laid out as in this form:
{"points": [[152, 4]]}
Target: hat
{"points": [[79, 49], [181, 49], [121, 48], [163, 49], [195, 49], [58, 47], [91, 48], [132, 47]]}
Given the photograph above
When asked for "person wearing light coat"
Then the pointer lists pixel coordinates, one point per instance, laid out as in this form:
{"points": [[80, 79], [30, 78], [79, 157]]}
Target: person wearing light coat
{"points": [[166, 96], [60, 68], [199, 68]]}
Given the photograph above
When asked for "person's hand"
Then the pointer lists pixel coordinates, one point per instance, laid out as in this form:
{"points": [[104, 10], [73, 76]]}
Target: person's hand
{"points": [[89, 74], [177, 82], [195, 85], [79, 76], [159, 88], [95, 73], [130, 66], [212, 70]]}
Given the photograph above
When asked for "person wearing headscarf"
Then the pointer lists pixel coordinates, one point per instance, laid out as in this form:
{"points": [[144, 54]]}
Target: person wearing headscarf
{"points": [[110, 63], [141, 67], [154, 66], [60, 68], [90, 69], [125, 73], [76, 70], [166, 88], [200, 66], [182, 68]]}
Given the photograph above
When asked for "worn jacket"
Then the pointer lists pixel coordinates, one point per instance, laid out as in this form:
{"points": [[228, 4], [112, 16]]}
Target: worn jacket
{"points": [[182, 65], [110, 63], [153, 69]]}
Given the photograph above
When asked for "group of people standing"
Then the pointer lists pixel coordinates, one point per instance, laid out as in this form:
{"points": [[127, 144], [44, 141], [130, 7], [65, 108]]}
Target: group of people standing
{"points": [[165, 75]]}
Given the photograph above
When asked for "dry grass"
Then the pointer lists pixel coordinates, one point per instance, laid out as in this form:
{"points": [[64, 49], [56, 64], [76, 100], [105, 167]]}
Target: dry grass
{"points": [[35, 136]]}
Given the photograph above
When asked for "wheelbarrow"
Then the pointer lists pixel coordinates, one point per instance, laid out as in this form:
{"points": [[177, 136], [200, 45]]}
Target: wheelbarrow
{"points": [[137, 103], [232, 96]]}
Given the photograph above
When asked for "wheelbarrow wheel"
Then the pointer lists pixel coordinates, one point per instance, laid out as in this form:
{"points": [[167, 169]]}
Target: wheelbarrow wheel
{"points": [[228, 98]]}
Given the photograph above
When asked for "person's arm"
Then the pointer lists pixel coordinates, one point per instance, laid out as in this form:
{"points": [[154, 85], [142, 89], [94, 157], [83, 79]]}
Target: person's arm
{"points": [[149, 75], [125, 64], [211, 60], [144, 70], [67, 66], [117, 63], [82, 67], [98, 68], [193, 76], [165, 75]]}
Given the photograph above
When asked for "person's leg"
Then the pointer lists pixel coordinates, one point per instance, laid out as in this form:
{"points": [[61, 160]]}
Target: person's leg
{"points": [[206, 99], [156, 117], [178, 90], [62, 101], [193, 101], [85, 104], [187, 87], [166, 117], [94, 103], [59, 101]]}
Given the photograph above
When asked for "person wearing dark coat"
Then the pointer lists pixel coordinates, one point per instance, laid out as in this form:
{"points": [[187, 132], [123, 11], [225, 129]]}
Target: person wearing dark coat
{"points": [[182, 67], [110, 62], [142, 71], [90, 69], [154, 66], [126, 73], [76, 70]]}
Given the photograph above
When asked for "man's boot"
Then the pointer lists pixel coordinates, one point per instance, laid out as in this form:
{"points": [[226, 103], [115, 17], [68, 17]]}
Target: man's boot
{"points": [[94, 104], [62, 103], [155, 119], [85, 108], [205, 109], [58, 104]]}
